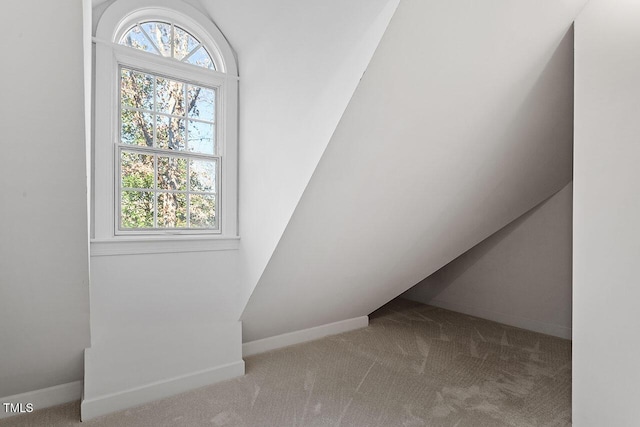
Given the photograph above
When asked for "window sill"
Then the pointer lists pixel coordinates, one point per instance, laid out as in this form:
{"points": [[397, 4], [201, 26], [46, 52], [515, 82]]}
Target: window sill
{"points": [[162, 245]]}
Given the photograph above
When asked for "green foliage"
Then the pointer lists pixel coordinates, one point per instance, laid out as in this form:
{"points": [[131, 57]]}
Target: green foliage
{"points": [[137, 206], [172, 210], [137, 209], [202, 211], [152, 183]]}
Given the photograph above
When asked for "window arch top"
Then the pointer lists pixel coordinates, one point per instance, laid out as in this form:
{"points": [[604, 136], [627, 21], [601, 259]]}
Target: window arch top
{"points": [[168, 40], [178, 22]]}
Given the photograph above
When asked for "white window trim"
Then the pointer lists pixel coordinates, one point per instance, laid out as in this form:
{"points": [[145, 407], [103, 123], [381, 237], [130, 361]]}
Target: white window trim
{"points": [[161, 245], [117, 19]]}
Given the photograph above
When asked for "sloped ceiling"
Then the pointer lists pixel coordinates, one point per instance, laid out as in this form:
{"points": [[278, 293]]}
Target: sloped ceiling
{"points": [[300, 62], [462, 122]]}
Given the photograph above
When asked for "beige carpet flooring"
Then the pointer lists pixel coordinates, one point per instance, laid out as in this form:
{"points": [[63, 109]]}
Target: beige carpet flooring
{"points": [[415, 365]]}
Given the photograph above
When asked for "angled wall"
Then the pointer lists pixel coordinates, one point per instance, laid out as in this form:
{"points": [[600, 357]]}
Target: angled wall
{"points": [[520, 276], [606, 348], [462, 123], [300, 62], [44, 267]]}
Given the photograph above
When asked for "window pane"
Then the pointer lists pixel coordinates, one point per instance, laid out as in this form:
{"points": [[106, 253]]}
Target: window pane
{"points": [[183, 43], [201, 137], [170, 133], [137, 128], [169, 96], [137, 170], [136, 209], [172, 210], [202, 176], [136, 39], [172, 173], [201, 58], [136, 89], [202, 211], [157, 38], [160, 33], [201, 103]]}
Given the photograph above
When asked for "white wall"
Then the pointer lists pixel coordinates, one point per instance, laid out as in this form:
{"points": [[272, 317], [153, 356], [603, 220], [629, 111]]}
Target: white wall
{"points": [[44, 293], [520, 275], [160, 324], [606, 318], [462, 123], [299, 65], [148, 293]]}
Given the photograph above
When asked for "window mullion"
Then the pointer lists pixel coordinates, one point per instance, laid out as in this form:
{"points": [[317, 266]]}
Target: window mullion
{"points": [[171, 153], [186, 116], [164, 191], [150, 40], [155, 191], [172, 40], [175, 116], [155, 112], [187, 56], [118, 160], [155, 156], [186, 135], [188, 193]]}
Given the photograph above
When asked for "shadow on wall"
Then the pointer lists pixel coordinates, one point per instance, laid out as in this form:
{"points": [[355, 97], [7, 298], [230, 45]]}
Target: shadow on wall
{"points": [[520, 276], [546, 83], [494, 141], [529, 128], [510, 277], [439, 281]]}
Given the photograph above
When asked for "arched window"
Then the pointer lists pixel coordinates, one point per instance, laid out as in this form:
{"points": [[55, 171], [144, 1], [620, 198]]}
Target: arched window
{"points": [[168, 40], [165, 150]]}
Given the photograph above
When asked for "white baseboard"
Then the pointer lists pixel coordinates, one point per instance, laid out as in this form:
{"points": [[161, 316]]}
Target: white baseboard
{"points": [[272, 343], [508, 319], [44, 398], [101, 405]]}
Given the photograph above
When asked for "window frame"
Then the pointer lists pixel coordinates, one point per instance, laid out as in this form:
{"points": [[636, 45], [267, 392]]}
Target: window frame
{"points": [[219, 154], [110, 56]]}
